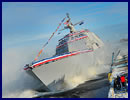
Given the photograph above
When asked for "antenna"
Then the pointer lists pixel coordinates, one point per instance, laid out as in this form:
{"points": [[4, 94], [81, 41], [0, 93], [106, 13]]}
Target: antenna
{"points": [[70, 25], [67, 14], [80, 23]]}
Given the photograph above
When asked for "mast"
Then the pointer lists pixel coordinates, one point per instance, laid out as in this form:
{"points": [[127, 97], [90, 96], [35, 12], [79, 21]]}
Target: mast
{"points": [[70, 25]]}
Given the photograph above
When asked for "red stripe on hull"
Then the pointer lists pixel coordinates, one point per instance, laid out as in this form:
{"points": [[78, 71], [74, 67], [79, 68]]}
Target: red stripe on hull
{"points": [[60, 57]]}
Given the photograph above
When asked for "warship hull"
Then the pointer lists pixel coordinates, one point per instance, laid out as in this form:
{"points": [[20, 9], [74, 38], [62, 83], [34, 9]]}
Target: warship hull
{"points": [[76, 65]]}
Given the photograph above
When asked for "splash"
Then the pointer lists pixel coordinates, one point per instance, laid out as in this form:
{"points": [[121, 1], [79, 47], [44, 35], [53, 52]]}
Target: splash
{"points": [[14, 78], [75, 80], [17, 84], [22, 94]]}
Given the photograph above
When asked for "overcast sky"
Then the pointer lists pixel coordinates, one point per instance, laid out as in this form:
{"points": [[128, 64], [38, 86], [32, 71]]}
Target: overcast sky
{"points": [[32, 23]]}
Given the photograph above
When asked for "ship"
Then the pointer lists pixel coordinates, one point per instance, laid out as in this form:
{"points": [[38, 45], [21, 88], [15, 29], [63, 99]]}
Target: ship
{"points": [[118, 72], [71, 49]]}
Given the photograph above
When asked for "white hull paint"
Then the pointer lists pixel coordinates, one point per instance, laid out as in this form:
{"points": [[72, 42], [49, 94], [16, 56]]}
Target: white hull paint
{"points": [[70, 66]]}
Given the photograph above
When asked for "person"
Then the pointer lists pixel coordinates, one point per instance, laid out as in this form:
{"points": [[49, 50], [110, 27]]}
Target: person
{"points": [[115, 84], [118, 83]]}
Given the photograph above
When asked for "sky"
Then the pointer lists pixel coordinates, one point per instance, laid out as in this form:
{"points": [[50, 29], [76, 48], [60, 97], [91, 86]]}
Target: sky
{"points": [[32, 23]]}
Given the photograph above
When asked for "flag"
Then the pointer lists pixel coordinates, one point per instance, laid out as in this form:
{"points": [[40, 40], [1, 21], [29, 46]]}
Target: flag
{"points": [[63, 20], [67, 22], [50, 38]]}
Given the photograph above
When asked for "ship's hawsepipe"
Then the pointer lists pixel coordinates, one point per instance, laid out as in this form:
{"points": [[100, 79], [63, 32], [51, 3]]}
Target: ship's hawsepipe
{"points": [[47, 60]]}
